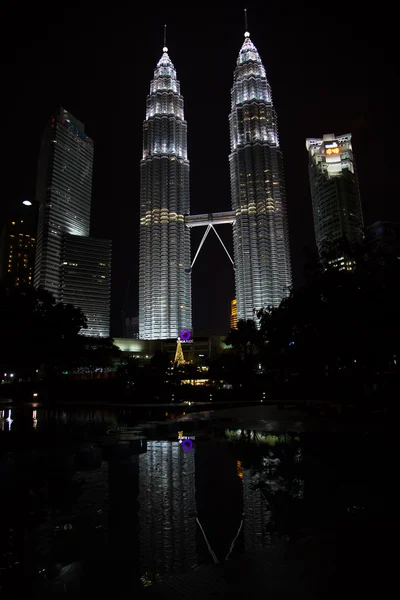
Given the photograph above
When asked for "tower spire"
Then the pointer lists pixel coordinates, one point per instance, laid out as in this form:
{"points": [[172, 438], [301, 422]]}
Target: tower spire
{"points": [[246, 29], [165, 49]]}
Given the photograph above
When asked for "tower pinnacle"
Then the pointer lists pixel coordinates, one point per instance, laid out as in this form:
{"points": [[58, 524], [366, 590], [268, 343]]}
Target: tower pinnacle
{"points": [[245, 24]]}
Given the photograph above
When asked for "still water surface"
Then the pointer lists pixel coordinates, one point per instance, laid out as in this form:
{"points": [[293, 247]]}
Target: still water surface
{"points": [[90, 502]]}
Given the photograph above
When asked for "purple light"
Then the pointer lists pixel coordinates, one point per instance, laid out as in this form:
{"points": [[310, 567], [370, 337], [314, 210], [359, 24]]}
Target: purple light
{"points": [[187, 445], [185, 335]]}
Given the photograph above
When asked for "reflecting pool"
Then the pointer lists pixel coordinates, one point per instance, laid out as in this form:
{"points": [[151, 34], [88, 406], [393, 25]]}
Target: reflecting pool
{"points": [[97, 500]]}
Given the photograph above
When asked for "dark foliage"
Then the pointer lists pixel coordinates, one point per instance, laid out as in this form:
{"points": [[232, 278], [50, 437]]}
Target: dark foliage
{"points": [[342, 320], [36, 331], [38, 334]]}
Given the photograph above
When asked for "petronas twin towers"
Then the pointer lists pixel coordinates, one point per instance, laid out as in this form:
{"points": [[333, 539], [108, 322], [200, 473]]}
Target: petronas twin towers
{"points": [[259, 212]]}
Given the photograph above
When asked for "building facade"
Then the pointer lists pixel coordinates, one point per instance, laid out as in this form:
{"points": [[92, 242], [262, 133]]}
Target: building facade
{"points": [[233, 321], [86, 280], [64, 191], [260, 231], [17, 247], [165, 306], [384, 238], [334, 187], [74, 267], [131, 328]]}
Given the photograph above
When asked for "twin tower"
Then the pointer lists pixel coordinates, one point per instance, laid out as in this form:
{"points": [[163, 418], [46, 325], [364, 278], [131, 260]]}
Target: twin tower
{"points": [[259, 212]]}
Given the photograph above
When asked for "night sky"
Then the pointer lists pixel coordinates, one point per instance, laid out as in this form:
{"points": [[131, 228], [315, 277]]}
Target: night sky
{"points": [[328, 71]]}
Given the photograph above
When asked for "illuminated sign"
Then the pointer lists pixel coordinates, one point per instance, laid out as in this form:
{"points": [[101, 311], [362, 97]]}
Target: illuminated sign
{"points": [[332, 150], [185, 335], [187, 445]]}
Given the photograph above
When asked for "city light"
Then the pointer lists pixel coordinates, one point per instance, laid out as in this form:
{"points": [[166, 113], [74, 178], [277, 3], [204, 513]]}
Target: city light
{"points": [[333, 151]]}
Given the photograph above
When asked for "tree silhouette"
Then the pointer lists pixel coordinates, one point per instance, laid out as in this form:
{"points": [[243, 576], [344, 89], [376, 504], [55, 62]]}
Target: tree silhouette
{"points": [[37, 332], [340, 321], [245, 339]]}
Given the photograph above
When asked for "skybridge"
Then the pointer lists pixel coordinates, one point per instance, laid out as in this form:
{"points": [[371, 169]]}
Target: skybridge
{"points": [[209, 220]]}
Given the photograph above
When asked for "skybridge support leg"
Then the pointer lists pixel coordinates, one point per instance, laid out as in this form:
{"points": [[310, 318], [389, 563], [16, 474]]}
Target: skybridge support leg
{"points": [[223, 245], [203, 239]]}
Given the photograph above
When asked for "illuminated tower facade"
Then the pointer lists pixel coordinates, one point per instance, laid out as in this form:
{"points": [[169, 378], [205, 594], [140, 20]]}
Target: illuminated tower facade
{"points": [[165, 306], [260, 232], [335, 194], [64, 192], [233, 320], [74, 267]]}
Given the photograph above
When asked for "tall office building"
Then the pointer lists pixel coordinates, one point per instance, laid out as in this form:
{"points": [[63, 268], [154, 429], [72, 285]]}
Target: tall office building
{"points": [[260, 231], [334, 189], [17, 246], [165, 306], [86, 280], [72, 266], [64, 191]]}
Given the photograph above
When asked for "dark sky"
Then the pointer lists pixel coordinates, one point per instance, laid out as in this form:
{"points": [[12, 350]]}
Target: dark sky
{"points": [[328, 71]]}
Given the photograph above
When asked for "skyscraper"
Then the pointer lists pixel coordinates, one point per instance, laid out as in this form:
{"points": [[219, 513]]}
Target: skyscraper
{"points": [[260, 231], [164, 259], [74, 267], [86, 280], [64, 191], [335, 194]]}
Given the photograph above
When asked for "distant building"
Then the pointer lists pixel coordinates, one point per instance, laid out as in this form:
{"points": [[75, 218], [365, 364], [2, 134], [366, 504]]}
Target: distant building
{"points": [[234, 319], [385, 237], [131, 328], [86, 280], [72, 266], [17, 246], [201, 348], [335, 193]]}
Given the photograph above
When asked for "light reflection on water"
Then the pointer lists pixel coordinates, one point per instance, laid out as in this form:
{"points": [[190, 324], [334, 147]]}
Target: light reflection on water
{"points": [[103, 499]]}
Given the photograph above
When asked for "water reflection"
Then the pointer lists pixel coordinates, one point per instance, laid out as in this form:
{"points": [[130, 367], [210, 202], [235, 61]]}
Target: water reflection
{"points": [[91, 506], [167, 513]]}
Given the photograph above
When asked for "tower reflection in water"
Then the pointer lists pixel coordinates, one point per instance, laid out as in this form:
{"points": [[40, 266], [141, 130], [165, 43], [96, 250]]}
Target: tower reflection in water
{"points": [[167, 509]]}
